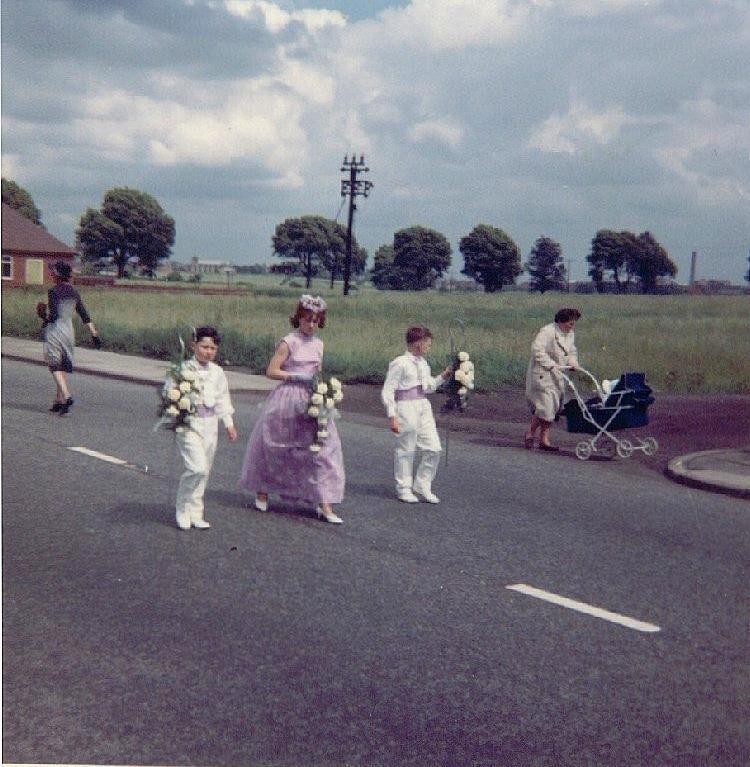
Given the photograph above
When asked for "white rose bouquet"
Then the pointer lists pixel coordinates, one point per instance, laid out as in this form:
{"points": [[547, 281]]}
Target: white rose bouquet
{"points": [[324, 397], [460, 384], [180, 397]]}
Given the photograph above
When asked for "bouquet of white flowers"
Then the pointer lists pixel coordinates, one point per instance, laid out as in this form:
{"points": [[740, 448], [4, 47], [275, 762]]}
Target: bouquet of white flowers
{"points": [[324, 397], [460, 383], [180, 397]]}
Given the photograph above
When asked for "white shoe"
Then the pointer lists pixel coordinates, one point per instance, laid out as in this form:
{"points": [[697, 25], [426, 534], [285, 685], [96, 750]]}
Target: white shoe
{"points": [[260, 504], [184, 523], [408, 497], [201, 524], [428, 495], [329, 516]]}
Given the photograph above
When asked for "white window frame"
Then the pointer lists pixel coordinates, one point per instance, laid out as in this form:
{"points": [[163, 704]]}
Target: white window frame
{"points": [[7, 259]]}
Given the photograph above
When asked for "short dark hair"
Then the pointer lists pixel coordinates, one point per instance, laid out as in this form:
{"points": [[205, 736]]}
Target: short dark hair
{"points": [[566, 315], [417, 333], [62, 270], [206, 331]]}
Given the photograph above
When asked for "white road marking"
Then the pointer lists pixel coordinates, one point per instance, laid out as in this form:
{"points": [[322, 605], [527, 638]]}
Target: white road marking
{"points": [[100, 456], [582, 607]]}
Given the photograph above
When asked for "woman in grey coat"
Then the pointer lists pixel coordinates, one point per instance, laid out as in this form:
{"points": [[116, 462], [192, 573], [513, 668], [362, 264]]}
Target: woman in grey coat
{"points": [[553, 348], [59, 338]]}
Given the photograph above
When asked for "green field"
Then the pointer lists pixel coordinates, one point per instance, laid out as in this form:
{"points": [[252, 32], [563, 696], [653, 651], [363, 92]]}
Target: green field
{"points": [[684, 344]]}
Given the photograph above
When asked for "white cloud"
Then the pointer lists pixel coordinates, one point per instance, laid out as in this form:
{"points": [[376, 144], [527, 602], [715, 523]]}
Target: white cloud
{"points": [[702, 141], [442, 131], [579, 128], [276, 19], [453, 24]]}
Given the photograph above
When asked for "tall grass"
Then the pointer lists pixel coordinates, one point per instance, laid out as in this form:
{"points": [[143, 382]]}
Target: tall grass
{"points": [[685, 344]]}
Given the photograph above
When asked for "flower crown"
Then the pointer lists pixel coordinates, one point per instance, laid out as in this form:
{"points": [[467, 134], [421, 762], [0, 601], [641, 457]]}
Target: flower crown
{"points": [[316, 304]]}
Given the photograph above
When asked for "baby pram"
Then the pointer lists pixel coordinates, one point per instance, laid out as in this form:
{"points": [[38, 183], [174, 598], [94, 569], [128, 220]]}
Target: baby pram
{"points": [[621, 404]]}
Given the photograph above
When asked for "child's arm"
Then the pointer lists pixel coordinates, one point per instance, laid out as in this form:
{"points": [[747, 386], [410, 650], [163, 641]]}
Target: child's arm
{"points": [[388, 394], [432, 384], [224, 407]]}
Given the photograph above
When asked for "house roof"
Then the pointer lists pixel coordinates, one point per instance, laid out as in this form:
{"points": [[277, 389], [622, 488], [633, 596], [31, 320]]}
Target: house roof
{"points": [[23, 236]]}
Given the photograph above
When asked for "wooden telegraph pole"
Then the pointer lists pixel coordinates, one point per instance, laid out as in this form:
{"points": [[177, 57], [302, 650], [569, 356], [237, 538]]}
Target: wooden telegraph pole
{"points": [[353, 187]]}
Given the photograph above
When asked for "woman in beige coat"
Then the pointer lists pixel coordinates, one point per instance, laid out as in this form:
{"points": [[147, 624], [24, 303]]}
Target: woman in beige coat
{"points": [[553, 348]]}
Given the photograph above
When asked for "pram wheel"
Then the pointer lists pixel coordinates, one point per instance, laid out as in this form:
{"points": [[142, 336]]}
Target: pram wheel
{"points": [[583, 451], [624, 448], [650, 446]]}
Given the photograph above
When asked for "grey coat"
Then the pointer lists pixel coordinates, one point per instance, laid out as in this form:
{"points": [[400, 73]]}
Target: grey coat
{"points": [[546, 391]]}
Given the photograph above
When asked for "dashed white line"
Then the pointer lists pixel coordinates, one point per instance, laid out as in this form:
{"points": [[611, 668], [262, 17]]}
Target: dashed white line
{"points": [[100, 456], [582, 607]]}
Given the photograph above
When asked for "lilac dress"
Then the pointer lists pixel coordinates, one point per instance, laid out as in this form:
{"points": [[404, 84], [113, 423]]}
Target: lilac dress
{"points": [[278, 458]]}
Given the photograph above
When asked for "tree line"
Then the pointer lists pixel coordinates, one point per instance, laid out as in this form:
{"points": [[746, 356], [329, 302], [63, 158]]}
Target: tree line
{"points": [[131, 225]]}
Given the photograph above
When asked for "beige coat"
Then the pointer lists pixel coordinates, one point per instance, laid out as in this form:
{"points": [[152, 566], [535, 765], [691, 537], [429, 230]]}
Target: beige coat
{"points": [[546, 391]]}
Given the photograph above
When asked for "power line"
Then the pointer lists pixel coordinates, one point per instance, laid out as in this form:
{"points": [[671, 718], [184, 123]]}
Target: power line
{"points": [[353, 187]]}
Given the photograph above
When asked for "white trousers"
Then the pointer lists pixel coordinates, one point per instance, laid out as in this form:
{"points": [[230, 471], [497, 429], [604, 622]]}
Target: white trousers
{"points": [[418, 432], [197, 447]]}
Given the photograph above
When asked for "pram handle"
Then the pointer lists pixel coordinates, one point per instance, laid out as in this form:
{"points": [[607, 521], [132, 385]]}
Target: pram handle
{"points": [[585, 372]]}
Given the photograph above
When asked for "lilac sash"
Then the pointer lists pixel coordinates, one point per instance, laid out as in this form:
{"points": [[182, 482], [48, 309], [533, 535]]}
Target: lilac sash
{"points": [[404, 395], [205, 412]]}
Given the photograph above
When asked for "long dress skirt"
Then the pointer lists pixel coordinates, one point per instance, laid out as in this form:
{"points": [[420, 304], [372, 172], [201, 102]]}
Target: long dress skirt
{"points": [[278, 459]]}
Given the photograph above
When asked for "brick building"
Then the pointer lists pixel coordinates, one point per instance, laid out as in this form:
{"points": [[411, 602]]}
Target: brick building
{"points": [[29, 250]]}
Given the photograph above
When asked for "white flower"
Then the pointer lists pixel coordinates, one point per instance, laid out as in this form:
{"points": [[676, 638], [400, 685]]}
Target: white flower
{"points": [[185, 387], [338, 396], [460, 376], [180, 429], [462, 390], [470, 365], [313, 411], [463, 356], [314, 448], [322, 434], [316, 399], [470, 384], [322, 387], [330, 404], [172, 410], [323, 421], [184, 404], [335, 383], [464, 366], [174, 394], [188, 375]]}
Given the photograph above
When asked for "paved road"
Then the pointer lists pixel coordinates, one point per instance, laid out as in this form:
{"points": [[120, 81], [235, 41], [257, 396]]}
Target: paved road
{"points": [[275, 639]]}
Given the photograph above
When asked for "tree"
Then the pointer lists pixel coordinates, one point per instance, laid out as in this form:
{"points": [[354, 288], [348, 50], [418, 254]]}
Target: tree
{"points": [[652, 261], [19, 199], [131, 224], [490, 257], [545, 265], [311, 243], [382, 274], [420, 256], [617, 252]]}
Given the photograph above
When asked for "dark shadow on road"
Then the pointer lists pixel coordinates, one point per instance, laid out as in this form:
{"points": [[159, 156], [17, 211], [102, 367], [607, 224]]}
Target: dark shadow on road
{"points": [[138, 513]]}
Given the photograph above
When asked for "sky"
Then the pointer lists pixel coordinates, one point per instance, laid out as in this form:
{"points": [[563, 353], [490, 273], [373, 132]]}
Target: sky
{"points": [[551, 118]]}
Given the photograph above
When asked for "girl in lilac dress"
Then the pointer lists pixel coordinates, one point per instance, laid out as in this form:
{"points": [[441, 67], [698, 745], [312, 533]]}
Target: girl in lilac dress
{"points": [[278, 458]]}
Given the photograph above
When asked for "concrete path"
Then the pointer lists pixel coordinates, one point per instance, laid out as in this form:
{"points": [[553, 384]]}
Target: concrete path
{"points": [[726, 471], [124, 367]]}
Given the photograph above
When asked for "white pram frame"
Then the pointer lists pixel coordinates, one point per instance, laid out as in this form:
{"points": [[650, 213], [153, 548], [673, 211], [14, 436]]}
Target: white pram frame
{"points": [[604, 442]]}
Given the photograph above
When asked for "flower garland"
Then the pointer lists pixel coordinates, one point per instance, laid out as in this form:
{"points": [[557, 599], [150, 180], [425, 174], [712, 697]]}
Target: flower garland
{"points": [[322, 407], [180, 396], [459, 385]]}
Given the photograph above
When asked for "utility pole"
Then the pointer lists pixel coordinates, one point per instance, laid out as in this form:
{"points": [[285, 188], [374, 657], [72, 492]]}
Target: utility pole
{"points": [[353, 187]]}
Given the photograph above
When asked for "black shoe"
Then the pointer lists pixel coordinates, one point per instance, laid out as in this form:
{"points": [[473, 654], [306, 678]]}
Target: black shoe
{"points": [[65, 406], [56, 407]]}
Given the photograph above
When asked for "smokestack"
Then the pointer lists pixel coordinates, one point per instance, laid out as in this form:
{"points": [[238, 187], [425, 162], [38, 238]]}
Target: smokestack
{"points": [[693, 262]]}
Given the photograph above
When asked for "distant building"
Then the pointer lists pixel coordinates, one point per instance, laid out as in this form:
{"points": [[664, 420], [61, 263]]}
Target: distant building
{"points": [[196, 266], [29, 250]]}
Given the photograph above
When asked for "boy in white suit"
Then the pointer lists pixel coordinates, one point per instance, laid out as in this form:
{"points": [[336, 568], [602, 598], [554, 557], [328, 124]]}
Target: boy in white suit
{"points": [[197, 444], [410, 414]]}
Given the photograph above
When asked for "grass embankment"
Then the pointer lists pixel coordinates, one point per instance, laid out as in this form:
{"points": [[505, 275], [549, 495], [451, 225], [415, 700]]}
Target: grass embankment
{"points": [[685, 344]]}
